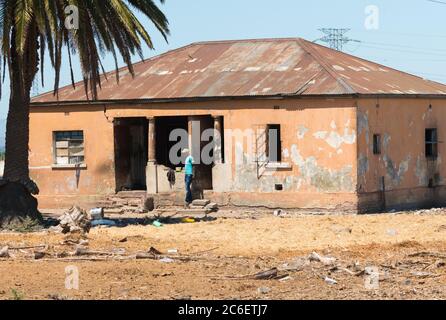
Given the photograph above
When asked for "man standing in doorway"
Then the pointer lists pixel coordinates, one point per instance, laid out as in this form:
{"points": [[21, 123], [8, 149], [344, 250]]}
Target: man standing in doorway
{"points": [[189, 170]]}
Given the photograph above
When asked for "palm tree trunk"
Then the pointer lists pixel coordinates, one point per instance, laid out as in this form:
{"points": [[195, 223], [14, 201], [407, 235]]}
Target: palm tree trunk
{"points": [[17, 128], [16, 201]]}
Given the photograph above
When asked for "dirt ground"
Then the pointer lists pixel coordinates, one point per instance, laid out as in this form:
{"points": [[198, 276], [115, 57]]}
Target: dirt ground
{"points": [[217, 259]]}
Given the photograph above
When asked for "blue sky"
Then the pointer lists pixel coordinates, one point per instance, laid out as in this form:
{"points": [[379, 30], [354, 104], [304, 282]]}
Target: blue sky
{"points": [[411, 34]]}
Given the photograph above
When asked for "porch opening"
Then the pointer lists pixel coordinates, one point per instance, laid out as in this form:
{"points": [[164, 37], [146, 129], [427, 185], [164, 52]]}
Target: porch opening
{"points": [[194, 127], [131, 154]]}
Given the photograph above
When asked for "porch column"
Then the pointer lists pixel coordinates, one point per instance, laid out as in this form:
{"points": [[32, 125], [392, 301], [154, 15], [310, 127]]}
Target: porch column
{"points": [[152, 168], [151, 140], [194, 129], [218, 159]]}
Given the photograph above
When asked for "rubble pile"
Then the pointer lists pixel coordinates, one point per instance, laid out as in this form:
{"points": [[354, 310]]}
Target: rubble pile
{"points": [[72, 221]]}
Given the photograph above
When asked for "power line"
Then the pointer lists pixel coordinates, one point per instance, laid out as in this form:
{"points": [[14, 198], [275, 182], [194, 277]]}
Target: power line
{"points": [[437, 1], [404, 46], [335, 38], [427, 53], [405, 34]]}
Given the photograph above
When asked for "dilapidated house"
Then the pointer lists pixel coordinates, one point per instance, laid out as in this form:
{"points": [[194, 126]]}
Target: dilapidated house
{"points": [[349, 134]]}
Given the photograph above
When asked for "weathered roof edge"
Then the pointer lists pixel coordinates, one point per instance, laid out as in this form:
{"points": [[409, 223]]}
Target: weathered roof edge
{"points": [[305, 45], [226, 98], [380, 65]]}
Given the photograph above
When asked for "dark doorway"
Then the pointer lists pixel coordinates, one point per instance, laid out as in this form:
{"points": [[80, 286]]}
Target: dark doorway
{"points": [[164, 126], [130, 153]]}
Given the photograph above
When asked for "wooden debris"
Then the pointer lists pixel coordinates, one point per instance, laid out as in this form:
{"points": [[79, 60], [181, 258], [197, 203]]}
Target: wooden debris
{"points": [[428, 254], [154, 251], [266, 275], [72, 221], [42, 246], [82, 251], [424, 275], [327, 261]]}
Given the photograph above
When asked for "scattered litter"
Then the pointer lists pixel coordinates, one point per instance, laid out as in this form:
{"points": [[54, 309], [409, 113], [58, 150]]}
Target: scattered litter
{"points": [[297, 265], [285, 278], [103, 223], [4, 252], [172, 251], [167, 260], [188, 220], [392, 232], [327, 261], [279, 213], [97, 214], [39, 255], [264, 290], [157, 224], [330, 281]]}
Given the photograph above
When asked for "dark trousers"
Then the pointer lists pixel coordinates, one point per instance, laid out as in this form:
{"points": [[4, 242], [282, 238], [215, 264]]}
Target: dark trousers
{"points": [[188, 181]]}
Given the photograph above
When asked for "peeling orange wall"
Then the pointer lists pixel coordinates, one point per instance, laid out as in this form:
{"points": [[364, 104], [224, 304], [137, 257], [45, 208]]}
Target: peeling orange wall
{"points": [[401, 124], [318, 139]]}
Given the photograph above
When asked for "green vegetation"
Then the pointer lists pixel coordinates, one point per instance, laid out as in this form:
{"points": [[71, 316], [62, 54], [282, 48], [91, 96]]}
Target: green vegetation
{"points": [[16, 295]]}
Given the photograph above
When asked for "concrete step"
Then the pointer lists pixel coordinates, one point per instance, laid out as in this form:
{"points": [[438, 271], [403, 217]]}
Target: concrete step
{"points": [[131, 194], [201, 203]]}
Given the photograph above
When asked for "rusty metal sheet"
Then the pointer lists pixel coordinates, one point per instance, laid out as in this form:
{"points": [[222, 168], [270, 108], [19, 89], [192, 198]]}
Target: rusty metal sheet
{"points": [[263, 67]]}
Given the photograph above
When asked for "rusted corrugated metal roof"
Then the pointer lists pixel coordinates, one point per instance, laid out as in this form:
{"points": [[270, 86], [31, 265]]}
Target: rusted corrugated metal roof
{"points": [[264, 67]]}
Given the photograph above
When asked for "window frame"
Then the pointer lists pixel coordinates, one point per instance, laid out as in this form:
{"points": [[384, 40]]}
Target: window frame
{"points": [[431, 143], [269, 128], [377, 144], [70, 138]]}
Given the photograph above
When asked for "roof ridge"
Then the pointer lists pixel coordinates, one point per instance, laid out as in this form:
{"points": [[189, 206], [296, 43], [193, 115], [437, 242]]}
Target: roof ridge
{"points": [[325, 66], [245, 40]]}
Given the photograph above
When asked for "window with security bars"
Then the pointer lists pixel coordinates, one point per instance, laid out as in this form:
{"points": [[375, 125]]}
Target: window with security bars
{"points": [[431, 143], [69, 147]]}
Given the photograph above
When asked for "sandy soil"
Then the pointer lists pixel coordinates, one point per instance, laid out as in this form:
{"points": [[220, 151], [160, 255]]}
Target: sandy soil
{"points": [[224, 250]]}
